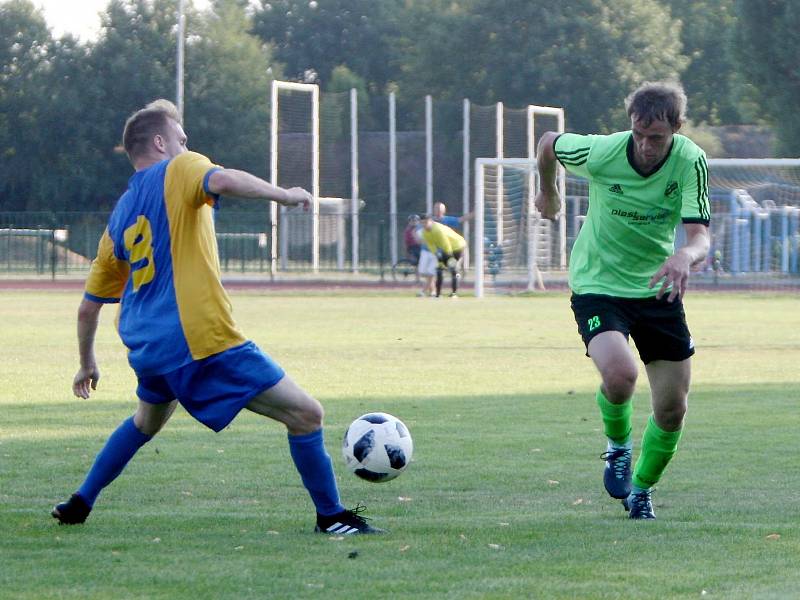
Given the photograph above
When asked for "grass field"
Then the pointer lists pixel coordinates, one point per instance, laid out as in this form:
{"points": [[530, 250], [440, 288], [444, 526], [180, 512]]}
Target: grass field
{"points": [[504, 499]]}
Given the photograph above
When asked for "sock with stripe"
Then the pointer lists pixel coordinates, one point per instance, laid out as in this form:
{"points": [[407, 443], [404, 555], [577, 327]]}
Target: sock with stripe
{"points": [[111, 460], [658, 448], [316, 470]]}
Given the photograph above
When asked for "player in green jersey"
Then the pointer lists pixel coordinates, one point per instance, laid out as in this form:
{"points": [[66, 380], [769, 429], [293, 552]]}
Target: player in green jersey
{"points": [[626, 277]]}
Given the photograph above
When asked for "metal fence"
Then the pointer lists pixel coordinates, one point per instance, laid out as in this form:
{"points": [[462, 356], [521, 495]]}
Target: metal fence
{"points": [[64, 244], [752, 245]]}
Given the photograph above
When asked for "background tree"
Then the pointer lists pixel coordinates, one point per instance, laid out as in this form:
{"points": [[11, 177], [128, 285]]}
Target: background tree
{"points": [[228, 75], [711, 79], [25, 45], [767, 44], [324, 34], [131, 64], [584, 55]]}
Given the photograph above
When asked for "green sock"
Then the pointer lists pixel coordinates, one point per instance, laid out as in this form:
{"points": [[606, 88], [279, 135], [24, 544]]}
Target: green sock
{"points": [[658, 448], [616, 419]]}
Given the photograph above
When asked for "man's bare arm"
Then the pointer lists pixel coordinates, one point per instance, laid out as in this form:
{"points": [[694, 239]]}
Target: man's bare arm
{"points": [[675, 270], [548, 201], [88, 374], [240, 184]]}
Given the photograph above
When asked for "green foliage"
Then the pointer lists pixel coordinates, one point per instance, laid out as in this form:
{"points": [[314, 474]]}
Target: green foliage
{"points": [[503, 500], [25, 43], [227, 89], [710, 78], [584, 55], [704, 137], [320, 35], [767, 45], [63, 102], [131, 64]]}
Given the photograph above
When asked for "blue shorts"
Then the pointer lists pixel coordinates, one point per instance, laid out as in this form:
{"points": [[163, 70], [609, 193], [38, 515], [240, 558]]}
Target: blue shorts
{"points": [[213, 390]]}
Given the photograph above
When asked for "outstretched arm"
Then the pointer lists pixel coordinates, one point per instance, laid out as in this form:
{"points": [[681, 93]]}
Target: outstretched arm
{"points": [[88, 374], [232, 182], [548, 201], [675, 270]]}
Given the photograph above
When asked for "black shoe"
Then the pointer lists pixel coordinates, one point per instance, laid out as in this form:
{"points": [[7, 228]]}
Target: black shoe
{"points": [[72, 512], [617, 474], [347, 522], [640, 505]]}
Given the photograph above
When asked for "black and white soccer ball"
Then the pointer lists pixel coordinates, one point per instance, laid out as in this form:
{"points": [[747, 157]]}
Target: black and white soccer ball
{"points": [[377, 447]]}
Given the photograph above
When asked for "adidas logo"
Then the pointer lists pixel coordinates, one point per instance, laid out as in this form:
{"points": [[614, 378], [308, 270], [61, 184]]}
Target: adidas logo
{"points": [[341, 529], [616, 189]]}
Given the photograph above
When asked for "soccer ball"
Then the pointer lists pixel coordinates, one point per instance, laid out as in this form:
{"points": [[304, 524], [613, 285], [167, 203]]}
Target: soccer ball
{"points": [[377, 447]]}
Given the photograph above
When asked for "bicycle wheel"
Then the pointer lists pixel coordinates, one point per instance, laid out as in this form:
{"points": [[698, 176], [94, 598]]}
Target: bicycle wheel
{"points": [[403, 269]]}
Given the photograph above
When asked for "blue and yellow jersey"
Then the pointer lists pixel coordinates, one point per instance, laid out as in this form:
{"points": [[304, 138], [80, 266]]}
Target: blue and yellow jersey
{"points": [[158, 257]]}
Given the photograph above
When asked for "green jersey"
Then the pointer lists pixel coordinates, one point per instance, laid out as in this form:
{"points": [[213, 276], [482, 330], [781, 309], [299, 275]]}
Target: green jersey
{"points": [[630, 225]]}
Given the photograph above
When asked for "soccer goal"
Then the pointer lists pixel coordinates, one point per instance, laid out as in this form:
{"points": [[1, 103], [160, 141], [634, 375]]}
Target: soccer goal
{"points": [[294, 161], [755, 222], [513, 246]]}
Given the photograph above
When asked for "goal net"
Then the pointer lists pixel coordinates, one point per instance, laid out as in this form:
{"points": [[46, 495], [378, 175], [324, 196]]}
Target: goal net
{"points": [[755, 223], [515, 250], [755, 226], [294, 155]]}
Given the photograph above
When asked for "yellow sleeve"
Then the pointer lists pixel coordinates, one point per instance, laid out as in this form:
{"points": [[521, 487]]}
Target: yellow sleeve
{"points": [[187, 179], [108, 275]]}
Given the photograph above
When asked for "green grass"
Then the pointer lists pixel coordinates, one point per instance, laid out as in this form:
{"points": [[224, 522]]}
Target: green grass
{"points": [[504, 499]]}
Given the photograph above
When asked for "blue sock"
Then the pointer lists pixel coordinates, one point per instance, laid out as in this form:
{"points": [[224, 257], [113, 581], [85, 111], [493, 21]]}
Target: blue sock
{"points": [[316, 470], [110, 461]]}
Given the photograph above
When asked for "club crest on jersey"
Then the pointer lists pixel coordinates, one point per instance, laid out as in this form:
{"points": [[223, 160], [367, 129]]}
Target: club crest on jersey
{"points": [[671, 190]]}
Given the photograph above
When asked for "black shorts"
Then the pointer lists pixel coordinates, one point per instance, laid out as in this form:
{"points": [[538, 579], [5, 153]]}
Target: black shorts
{"points": [[658, 327], [443, 258]]}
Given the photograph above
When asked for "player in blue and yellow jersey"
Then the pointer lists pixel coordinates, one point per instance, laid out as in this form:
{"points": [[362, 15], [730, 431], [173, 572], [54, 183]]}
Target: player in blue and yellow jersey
{"points": [[626, 277], [448, 247], [158, 259]]}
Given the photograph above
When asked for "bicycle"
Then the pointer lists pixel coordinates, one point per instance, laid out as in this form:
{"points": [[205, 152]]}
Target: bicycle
{"points": [[403, 269]]}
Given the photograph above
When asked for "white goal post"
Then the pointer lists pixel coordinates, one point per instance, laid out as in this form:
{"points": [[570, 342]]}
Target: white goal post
{"points": [[312, 166], [518, 242], [558, 114], [506, 223]]}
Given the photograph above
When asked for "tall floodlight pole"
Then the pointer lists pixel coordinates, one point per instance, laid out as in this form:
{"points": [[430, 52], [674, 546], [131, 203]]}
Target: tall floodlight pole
{"points": [[179, 61]]}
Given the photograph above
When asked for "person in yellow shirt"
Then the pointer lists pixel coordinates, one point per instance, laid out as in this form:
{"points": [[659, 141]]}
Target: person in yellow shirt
{"points": [[448, 246]]}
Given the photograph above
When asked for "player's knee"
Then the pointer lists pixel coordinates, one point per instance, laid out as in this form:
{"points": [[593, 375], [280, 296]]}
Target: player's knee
{"points": [[309, 416], [147, 426], [619, 383], [149, 419], [670, 417]]}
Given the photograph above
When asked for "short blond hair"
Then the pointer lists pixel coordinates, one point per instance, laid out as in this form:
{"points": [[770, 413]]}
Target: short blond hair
{"points": [[657, 101], [145, 123]]}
